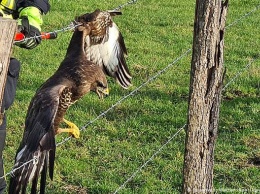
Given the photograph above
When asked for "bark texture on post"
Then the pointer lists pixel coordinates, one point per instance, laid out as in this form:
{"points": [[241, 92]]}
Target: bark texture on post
{"points": [[7, 31], [205, 94]]}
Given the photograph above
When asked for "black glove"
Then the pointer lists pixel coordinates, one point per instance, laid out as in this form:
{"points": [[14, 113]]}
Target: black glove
{"points": [[31, 33]]}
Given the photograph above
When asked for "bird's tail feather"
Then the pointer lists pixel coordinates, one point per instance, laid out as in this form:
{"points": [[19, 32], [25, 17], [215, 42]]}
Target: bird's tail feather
{"points": [[28, 166]]}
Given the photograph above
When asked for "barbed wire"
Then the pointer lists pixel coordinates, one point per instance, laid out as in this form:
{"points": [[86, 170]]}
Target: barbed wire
{"points": [[125, 4], [150, 159], [170, 139], [243, 17], [239, 73], [34, 161], [69, 27]]}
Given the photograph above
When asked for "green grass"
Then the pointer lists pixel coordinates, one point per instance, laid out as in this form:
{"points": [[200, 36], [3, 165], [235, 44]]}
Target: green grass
{"points": [[115, 146]]}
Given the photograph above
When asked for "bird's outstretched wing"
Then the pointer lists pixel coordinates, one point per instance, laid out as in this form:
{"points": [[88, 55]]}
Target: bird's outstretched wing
{"points": [[105, 46], [38, 143]]}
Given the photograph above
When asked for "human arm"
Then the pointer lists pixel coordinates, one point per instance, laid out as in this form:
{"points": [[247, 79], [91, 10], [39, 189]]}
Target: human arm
{"points": [[30, 21]]}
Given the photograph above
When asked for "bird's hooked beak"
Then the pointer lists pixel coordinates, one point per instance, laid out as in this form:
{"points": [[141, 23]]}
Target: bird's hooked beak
{"points": [[102, 92]]}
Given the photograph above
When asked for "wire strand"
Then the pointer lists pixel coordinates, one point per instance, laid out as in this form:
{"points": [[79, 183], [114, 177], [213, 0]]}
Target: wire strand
{"points": [[243, 17], [239, 73], [71, 26], [149, 160], [125, 4]]}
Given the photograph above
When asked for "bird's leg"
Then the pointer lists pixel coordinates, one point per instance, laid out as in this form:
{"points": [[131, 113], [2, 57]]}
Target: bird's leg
{"points": [[73, 129]]}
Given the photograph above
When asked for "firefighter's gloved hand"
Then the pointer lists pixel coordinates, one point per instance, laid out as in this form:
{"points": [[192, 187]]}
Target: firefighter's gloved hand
{"points": [[29, 23], [31, 33]]}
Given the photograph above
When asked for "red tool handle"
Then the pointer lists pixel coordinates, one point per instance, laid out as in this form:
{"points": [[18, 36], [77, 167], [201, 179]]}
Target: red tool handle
{"points": [[44, 35]]}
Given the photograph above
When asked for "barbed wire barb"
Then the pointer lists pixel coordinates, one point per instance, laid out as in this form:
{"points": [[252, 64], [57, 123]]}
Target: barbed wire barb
{"points": [[125, 4], [11, 173]]}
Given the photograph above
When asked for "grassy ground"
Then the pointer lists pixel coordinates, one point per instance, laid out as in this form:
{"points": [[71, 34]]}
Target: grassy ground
{"points": [[115, 146]]}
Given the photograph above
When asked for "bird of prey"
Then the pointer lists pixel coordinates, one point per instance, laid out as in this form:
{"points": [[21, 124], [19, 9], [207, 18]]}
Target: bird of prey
{"points": [[96, 49], [105, 46]]}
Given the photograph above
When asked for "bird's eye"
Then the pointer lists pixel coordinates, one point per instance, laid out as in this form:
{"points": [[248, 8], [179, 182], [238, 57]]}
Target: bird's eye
{"points": [[100, 84]]}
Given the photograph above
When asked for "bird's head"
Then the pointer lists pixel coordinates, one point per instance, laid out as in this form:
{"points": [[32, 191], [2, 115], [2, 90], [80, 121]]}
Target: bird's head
{"points": [[95, 23], [100, 86]]}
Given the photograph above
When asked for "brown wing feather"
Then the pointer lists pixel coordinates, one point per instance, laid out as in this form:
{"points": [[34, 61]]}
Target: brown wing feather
{"points": [[38, 140]]}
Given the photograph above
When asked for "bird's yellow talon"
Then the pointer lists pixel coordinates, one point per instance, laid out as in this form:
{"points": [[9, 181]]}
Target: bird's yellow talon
{"points": [[75, 132], [72, 130]]}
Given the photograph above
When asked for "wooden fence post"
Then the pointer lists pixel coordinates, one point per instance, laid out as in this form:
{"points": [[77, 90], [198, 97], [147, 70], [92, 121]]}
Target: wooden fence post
{"points": [[205, 94], [7, 31]]}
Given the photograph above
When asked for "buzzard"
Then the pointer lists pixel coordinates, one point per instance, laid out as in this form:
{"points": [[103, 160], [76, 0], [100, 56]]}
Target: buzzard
{"points": [[96, 49], [105, 46]]}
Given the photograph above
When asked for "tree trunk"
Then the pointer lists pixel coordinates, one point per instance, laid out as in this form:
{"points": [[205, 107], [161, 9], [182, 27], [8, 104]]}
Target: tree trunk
{"points": [[205, 94], [7, 31]]}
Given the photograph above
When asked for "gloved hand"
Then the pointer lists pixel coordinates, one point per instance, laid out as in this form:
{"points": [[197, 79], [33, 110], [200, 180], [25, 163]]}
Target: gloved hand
{"points": [[31, 33], [29, 23]]}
